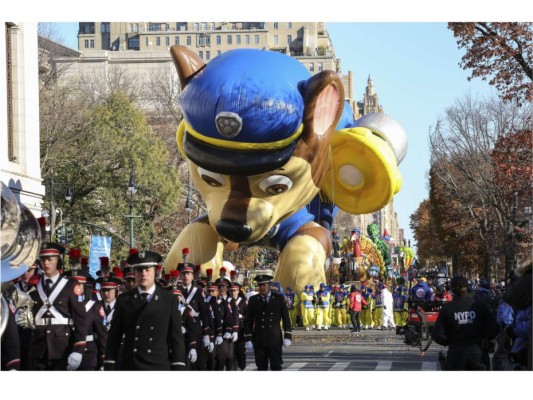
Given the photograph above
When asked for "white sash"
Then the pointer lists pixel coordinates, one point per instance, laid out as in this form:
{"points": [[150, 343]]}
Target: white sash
{"points": [[89, 305], [59, 319], [189, 298]]}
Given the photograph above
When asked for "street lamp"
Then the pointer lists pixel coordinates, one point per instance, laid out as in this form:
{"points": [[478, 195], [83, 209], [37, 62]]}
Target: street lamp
{"points": [[132, 189], [53, 209]]}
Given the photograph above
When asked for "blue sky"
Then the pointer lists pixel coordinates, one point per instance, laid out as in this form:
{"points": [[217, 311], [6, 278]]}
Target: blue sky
{"points": [[415, 71]]}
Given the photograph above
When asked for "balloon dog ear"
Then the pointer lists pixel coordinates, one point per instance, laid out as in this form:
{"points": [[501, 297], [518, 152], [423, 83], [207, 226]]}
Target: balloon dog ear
{"points": [[187, 63]]}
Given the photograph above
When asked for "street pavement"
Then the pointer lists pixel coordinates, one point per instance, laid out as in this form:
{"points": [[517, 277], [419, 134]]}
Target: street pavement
{"points": [[341, 350]]}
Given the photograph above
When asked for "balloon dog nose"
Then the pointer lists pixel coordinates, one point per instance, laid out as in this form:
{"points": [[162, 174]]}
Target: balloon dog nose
{"points": [[233, 230]]}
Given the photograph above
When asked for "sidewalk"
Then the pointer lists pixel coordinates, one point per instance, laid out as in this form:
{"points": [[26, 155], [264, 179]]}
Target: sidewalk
{"points": [[335, 334]]}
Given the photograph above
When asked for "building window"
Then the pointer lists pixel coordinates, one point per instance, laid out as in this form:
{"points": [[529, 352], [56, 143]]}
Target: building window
{"points": [[212, 24], [195, 26], [133, 28], [256, 39], [289, 25], [230, 39], [146, 41], [167, 41], [181, 26], [154, 27], [86, 43], [233, 26], [158, 41], [200, 40], [204, 26], [208, 55], [176, 40], [208, 40], [320, 67], [105, 27], [311, 67], [189, 41], [289, 39], [247, 39], [201, 54], [276, 40], [218, 53], [133, 43], [238, 39], [219, 39], [276, 25]]}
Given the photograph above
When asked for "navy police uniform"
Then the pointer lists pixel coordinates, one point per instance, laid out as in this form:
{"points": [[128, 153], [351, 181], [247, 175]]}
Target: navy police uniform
{"points": [[462, 325], [262, 326]]}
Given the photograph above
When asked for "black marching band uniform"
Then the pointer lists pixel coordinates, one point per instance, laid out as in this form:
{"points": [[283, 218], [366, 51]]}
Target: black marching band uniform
{"points": [[59, 318], [263, 328], [239, 350], [195, 319], [153, 339]]}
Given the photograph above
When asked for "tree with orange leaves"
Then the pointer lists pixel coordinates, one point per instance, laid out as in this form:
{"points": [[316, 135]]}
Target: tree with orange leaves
{"points": [[501, 50]]}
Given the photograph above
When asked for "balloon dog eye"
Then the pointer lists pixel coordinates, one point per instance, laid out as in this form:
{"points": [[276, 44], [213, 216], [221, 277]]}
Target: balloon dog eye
{"points": [[275, 184], [211, 178]]}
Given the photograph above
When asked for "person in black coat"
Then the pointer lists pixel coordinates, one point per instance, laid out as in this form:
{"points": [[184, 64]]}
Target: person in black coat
{"points": [[58, 341], [262, 328], [463, 324], [149, 318]]}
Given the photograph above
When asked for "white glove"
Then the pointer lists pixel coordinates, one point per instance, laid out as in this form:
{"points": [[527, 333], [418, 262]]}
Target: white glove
{"points": [[287, 342], [227, 335], [211, 347], [206, 340], [74, 361], [249, 345], [218, 340], [192, 355], [235, 336]]}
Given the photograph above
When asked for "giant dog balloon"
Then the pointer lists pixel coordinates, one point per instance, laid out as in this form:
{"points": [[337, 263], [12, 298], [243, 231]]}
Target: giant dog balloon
{"points": [[274, 151]]}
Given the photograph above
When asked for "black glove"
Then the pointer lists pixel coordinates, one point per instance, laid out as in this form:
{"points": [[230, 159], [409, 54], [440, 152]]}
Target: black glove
{"points": [[178, 367]]}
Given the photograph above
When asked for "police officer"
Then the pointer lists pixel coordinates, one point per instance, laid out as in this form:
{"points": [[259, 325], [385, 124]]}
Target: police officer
{"points": [[462, 325], [59, 339], [149, 318], [262, 325]]}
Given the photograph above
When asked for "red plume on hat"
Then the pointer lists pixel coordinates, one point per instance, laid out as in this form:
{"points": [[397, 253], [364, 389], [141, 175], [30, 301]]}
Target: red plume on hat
{"points": [[74, 253], [174, 273], [116, 270], [34, 280], [133, 251], [198, 267], [167, 277], [159, 267], [209, 272], [233, 273], [185, 251], [41, 221], [222, 270], [118, 273], [104, 261], [84, 261]]}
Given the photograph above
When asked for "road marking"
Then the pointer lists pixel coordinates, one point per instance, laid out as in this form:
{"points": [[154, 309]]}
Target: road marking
{"points": [[295, 367], [328, 353], [340, 366], [383, 366], [429, 366]]}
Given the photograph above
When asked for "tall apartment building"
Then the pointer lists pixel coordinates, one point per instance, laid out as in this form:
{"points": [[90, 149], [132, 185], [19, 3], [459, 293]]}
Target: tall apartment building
{"points": [[124, 44]]}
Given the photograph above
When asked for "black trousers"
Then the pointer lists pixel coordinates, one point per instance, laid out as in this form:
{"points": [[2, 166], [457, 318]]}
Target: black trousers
{"points": [[355, 319], [224, 356], [264, 355], [465, 358], [239, 351]]}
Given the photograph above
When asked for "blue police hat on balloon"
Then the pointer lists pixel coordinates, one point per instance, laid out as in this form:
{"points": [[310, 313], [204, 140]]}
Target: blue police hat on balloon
{"points": [[243, 111]]}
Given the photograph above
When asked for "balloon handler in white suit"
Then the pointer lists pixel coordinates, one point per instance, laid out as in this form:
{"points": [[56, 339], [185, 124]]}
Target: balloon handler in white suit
{"points": [[387, 320]]}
